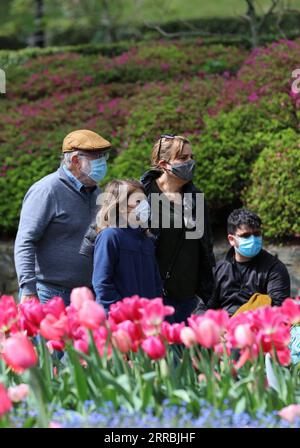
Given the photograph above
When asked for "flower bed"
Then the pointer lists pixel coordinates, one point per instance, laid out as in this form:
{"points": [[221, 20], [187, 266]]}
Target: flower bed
{"points": [[211, 368]]}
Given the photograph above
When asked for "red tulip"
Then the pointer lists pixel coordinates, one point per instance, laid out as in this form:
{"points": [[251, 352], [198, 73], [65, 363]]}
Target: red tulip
{"points": [[172, 332], [32, 313], [91, 315], [81, 295], [154, 347], [18, 352], [54, 329], [5, 402], [55, 307], [55, 345], [130, 308], [291, 309]]}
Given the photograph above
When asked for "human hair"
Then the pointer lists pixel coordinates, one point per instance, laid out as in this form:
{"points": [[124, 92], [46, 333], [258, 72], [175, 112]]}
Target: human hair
{"points": [[167, 148], [114, 204], [240, 217], [66, 158]]}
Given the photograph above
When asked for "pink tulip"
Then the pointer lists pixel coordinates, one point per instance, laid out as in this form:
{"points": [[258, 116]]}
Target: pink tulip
{"points": [[188, 337], [81, 346], [91, 315], [5, 402], [290, 413], [121, 340], [221, 317], [32, 313], [154, 347], [291, 309], [55, 425], [130, 308], [73, 322], [81, 295], [53, 328], [155, 311], [207, 330], [18, 352], [55, 307], [18, 393], [8, 314], [100, 337], [284, 356], [55, 345], [244, 336], [172, 332]]}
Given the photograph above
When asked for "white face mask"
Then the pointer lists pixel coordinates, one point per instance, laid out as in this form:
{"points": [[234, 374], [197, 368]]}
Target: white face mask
{"points": [[142, 211]]}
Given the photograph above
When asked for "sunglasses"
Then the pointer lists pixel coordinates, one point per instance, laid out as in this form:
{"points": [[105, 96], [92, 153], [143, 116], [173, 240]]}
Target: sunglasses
{"points": [[104, 154], [160, 140]]}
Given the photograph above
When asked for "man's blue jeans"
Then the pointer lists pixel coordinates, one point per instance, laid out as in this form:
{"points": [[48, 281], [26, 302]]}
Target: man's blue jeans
{"points": [[45, 292]]}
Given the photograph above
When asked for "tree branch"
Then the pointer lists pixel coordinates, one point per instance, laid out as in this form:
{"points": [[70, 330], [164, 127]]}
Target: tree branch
{"points": [[267, 15], [180, 33]]}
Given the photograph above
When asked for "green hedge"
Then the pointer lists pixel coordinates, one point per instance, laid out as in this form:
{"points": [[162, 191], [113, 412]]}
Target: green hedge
{"points": [[225, 146], [274, 192], [230, 29], [229, 102]]}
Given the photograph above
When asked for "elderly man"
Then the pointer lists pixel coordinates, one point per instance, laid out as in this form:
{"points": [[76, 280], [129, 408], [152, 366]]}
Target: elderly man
{"points": [[56, 212]]}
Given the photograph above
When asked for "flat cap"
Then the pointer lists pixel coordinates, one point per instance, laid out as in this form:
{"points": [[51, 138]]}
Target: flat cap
{"points": [[85, 140]]}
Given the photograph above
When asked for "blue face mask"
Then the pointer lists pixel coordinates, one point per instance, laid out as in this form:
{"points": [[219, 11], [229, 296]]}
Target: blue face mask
{"points": [[98, 169], [249, 247]]}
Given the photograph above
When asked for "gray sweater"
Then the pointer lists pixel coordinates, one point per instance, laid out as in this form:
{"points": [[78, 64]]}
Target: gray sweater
{"points": [[54, 218]]}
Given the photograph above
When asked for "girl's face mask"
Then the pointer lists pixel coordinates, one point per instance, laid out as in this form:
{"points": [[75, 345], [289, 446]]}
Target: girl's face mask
{"points": [[142, 211]]}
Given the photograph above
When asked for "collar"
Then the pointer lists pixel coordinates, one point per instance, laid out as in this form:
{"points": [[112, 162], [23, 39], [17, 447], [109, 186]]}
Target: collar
{"points": [[77, 184]]}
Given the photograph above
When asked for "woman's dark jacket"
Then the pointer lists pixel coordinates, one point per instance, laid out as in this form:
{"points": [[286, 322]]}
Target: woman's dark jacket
{"points": [[205, 258]]}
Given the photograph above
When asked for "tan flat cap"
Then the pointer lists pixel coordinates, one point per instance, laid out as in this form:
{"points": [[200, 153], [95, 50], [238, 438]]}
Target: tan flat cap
{"points": [[85, 140]]}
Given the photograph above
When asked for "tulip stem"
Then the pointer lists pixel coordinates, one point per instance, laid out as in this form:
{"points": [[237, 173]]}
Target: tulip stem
{"points": [[35, 382]]}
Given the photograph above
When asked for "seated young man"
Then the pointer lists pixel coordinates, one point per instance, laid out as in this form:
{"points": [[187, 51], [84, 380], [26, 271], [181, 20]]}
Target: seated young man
{"points": [[247, 268]]}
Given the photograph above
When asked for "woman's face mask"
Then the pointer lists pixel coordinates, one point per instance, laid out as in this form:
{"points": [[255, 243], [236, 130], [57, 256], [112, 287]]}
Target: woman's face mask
{"points": [[185, 170]]}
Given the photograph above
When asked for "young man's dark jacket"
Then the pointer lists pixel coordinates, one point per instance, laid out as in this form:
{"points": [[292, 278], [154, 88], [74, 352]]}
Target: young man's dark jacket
{"points": [[206, 259], [263, 274]]}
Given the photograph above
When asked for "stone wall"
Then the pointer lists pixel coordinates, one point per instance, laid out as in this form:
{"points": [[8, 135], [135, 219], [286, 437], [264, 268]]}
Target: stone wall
{"points": [[290, 255]]}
